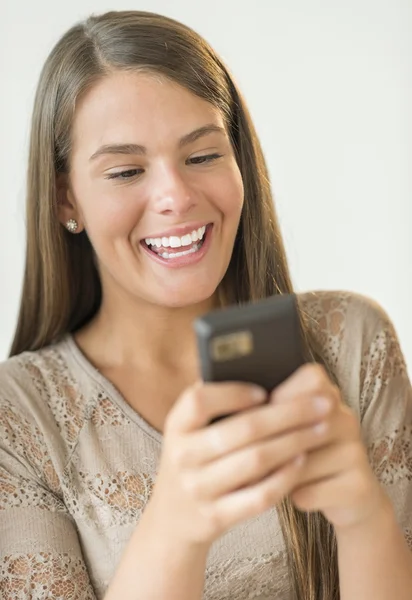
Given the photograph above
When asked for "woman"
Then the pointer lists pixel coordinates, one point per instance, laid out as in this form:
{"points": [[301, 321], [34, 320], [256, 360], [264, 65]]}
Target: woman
{"points": [[148, 205]]}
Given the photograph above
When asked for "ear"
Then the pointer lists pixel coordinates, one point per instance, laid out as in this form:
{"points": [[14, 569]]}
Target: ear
{"points": [[66, 203]]}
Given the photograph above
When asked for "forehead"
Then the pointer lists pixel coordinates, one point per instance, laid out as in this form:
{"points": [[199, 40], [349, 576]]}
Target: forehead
{"points": [[138, 108]]}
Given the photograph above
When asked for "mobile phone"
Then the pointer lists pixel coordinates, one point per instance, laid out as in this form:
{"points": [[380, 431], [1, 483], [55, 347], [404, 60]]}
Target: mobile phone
{"points": [[260, 342]]}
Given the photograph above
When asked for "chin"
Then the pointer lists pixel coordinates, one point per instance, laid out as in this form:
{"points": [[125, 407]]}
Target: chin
{"points": [[185, 298]]}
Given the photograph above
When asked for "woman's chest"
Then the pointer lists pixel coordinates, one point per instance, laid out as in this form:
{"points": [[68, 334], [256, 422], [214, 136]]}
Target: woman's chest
{"points": [[108, 483], [152, 393]]}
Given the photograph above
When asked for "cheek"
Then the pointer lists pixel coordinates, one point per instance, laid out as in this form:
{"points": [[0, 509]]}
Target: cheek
{"points": [[112, 214], [229, 194]]}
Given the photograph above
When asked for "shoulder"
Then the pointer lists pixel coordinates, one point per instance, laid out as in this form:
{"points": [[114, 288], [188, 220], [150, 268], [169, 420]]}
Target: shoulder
{"points": [[358, 340], [341, 306], [340, 317], [40, 394]]}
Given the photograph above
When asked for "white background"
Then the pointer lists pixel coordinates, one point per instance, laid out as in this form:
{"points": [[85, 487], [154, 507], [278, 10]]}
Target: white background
{"points": [[329, 85]]}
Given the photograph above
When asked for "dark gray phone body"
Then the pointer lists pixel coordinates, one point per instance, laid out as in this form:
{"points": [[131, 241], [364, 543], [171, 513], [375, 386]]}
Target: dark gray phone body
{"points": [[259, 343]]}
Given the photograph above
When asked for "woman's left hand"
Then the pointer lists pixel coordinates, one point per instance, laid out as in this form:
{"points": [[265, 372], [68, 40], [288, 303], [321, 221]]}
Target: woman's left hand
{"points": [[337, 478]]}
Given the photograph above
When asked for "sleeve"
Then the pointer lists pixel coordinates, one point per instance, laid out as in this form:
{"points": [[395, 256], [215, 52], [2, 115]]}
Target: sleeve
{"points": [[386, 413], [40, 553]]}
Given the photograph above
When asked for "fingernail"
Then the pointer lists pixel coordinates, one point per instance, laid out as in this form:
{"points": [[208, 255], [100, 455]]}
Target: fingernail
{"points": [[322, 405], [258, 394], [299, 460], [320, 427]]}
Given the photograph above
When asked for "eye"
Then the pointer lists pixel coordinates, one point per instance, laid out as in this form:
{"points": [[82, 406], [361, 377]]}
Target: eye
{"points": [[207, 158], [128, 174]]}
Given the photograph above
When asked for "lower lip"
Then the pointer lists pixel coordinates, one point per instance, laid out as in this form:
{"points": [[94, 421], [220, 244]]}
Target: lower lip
{"points": [[182, 261]]}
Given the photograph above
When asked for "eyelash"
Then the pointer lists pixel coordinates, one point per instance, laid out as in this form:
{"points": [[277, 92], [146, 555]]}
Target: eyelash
{"points": [[197, 160]]}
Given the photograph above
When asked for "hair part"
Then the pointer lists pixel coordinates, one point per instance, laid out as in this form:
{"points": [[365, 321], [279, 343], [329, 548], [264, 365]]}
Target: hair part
{"points": [[62, 290]]}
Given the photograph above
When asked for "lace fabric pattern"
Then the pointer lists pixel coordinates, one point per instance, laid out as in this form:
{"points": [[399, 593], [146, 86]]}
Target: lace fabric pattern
{"points": [[326, 317], [266, 576], [391, 456], [23, 493], [381, 363], [16, 432], [112, 499], [77, 468], [43, 576], [105, 413], [56, 385]]}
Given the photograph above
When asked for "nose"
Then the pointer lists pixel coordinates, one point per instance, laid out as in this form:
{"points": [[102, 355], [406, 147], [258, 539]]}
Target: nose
{"points": [[171, 193]]}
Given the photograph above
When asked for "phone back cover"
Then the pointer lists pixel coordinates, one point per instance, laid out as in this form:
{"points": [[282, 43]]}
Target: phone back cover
{"points": [[271, 336]]}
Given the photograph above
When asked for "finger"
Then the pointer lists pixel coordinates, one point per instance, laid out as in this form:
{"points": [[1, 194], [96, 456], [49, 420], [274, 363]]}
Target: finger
{"points": [[333, 493], [341, 425], [331, 461], [252, 463], [309, 380], [258, 498], [242, 430], [204, 402]]}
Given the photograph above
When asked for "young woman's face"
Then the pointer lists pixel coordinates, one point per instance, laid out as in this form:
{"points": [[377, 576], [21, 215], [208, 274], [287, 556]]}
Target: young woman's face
{"points": [[156, 185]]}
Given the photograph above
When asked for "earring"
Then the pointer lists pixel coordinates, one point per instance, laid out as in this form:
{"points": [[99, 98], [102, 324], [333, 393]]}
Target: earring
{"points": [[72, 225]]}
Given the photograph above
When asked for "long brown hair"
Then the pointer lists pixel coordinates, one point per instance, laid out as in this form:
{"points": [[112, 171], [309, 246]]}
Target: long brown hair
{"points": [[62, 289]]}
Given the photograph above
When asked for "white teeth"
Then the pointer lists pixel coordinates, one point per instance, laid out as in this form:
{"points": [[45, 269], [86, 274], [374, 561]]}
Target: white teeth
{"points": [[171, 255], [177, 242], [186, 240]]}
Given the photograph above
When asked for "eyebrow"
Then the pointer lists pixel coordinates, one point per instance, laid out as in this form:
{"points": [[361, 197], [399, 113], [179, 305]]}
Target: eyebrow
{"points": [[189, 138]]}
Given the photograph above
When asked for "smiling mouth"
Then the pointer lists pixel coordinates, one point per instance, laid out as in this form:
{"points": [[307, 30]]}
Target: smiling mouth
{"points": [[175, 247]]}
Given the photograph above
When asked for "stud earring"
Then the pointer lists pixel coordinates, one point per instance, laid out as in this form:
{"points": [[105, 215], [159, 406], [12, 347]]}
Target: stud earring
{"points": [[72, 225]]}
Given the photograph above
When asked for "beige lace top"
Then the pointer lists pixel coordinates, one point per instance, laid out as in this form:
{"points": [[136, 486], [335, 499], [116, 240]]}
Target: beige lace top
{"points": [[77, 464]]}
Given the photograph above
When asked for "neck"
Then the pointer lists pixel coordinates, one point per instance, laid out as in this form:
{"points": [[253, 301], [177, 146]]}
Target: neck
{"points": [[135, 332]]}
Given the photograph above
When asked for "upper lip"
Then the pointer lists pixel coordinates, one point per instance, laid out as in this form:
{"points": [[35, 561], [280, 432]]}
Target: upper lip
{"points": [[178, 231]]}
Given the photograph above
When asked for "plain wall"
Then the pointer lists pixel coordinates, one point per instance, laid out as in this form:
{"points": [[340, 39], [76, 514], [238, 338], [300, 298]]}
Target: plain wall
{"points": [[329, 85]]}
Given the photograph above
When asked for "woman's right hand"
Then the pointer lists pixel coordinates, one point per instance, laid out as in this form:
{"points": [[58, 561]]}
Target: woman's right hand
{"points": [[213, 476]]}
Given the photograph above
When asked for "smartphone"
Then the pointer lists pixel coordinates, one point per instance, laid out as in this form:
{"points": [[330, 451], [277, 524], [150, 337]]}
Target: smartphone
{"points": [[259, 343]]}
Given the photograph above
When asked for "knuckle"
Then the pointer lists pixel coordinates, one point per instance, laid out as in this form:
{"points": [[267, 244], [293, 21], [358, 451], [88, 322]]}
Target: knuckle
{"points": [[190, 485], [270, 494], [250, 429], [256, 459], [180, 455], [217, 441]]}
